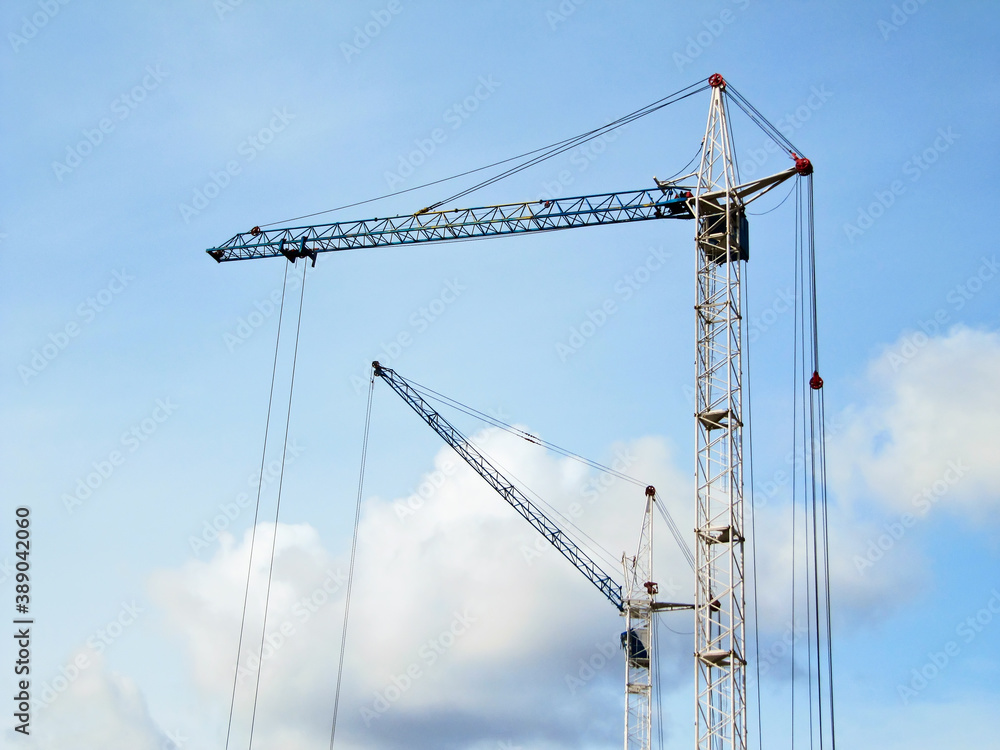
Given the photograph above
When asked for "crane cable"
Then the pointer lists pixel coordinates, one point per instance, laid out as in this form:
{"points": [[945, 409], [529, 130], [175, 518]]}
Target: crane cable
{"points": [[253, 529], [753, 517], [433, 395], [277, 508], [538, 155], [817, 439], [815, 518], [350, 570], [760, 121], [580, 139]]}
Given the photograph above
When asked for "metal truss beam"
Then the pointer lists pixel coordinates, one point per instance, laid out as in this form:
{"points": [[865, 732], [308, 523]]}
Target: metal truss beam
{"points": [[457, 224]]}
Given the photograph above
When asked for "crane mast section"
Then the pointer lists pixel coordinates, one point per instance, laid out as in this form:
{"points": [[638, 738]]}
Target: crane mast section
{"points": [[458, 224], [461, 445]]}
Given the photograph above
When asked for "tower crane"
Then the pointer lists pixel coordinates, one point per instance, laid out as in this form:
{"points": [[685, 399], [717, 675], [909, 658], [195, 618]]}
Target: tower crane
{"points": [[637, 603], [716, 202]]}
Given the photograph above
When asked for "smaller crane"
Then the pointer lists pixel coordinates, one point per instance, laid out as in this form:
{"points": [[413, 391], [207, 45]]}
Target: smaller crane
{"points": [[637, 605]]}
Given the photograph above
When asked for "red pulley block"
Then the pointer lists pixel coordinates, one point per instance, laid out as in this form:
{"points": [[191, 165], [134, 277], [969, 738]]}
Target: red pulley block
{"points": [[815, 382], [802, 165]]}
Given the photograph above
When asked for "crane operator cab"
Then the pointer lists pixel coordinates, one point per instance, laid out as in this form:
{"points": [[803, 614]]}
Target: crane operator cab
{"points": [[636, 650]]}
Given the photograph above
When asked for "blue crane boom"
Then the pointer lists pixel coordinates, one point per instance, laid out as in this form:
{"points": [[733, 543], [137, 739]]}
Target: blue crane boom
{"points": [[517, 499], [664, 202]]}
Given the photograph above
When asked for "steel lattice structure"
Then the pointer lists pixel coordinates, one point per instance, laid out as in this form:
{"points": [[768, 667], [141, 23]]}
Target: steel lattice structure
{"points": [[503, 486], [458, 224]]}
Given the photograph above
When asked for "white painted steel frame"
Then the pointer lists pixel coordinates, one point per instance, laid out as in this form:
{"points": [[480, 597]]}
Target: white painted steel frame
{"points": [[638, 617], [720, 678], [720, 607]]}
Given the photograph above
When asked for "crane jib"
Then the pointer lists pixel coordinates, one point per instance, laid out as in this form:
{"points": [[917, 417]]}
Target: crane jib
{"points": [[459, 224], [569, 549]]}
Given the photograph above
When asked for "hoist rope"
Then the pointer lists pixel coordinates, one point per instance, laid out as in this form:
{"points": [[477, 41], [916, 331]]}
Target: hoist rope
{"points": [[350, 569], [537, 155], [657, 680], [753, 526], [818, 457], [253, 528], [796, 353], [810, 477], [277, 509]]}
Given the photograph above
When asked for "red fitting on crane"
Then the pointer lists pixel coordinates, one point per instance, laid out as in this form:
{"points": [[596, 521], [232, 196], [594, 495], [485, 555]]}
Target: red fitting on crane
{"points": [[802, 165], [815, 382], [650, 490], [255, 231], [716, 81], [651, 587]]}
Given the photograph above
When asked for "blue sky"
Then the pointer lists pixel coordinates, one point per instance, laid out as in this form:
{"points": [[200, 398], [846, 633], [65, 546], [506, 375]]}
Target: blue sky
{"points": [[138, 135]]}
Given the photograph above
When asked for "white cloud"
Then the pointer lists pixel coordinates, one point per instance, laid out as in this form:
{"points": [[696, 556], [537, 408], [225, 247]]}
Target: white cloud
{"points": [[96, 710], [460, 630], [926, 440]]}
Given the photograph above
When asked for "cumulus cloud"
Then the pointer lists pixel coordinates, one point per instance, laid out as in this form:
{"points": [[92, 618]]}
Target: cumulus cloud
{"points": [[91, 708], [925, 439], [467, 628], [463, 630]]}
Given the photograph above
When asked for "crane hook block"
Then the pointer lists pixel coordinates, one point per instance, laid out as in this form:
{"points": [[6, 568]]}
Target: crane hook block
{"points": [[716, 81], [815, 382]]}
